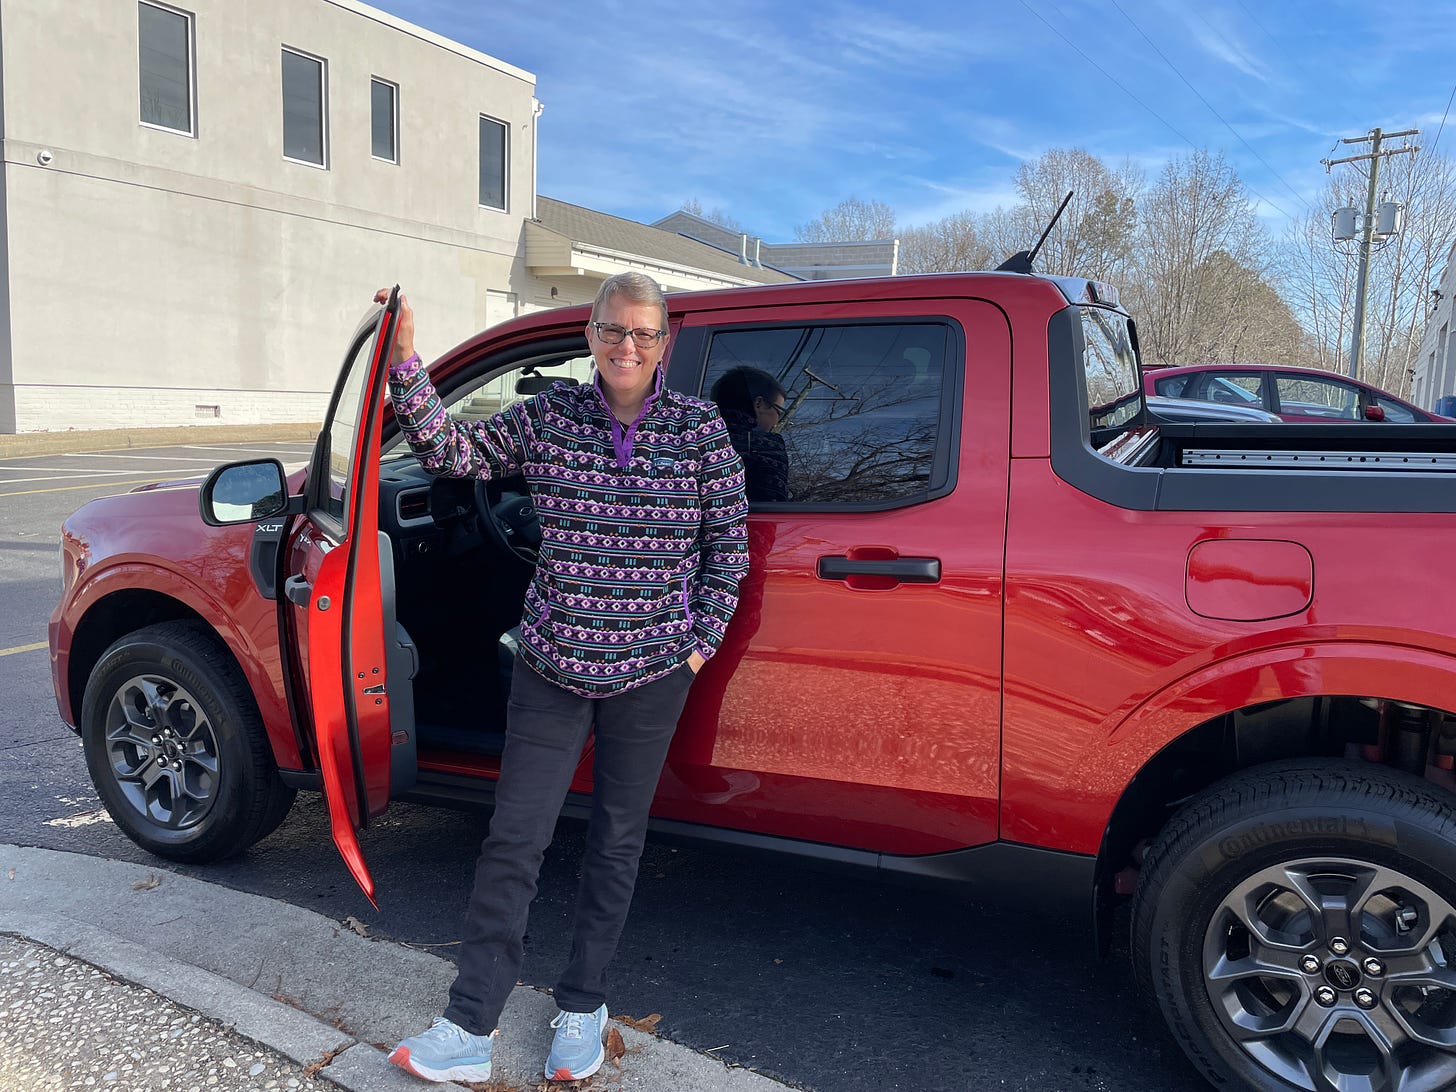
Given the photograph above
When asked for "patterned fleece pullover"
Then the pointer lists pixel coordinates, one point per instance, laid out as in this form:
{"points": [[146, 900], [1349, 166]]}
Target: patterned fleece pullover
{"points": [[643, 526]]}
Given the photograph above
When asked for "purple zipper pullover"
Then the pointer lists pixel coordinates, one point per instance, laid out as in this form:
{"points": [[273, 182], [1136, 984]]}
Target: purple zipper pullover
{"points": [[643, 528]]}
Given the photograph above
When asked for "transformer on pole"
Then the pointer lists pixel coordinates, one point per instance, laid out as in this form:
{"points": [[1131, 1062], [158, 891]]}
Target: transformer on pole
{"points": [[1390, 217]]}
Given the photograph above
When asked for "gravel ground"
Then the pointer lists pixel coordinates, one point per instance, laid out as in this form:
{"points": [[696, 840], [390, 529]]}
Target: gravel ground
{"points": [[66, 1025]]}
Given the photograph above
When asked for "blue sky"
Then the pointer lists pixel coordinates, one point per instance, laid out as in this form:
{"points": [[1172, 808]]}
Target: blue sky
{"points": [[775, 111]]}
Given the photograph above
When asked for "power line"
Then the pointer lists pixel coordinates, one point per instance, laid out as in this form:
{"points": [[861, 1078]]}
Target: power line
{"points": [[1176, 132], [1443, 120], [1298, 197]]}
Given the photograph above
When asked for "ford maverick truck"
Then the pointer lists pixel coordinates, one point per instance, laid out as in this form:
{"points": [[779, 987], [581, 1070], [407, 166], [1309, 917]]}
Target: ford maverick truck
{"points": [[1008, 634]]}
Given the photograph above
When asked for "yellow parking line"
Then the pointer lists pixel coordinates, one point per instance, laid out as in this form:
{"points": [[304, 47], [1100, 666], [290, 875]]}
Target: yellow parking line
{"points": [[68, 488], [23, 648]]}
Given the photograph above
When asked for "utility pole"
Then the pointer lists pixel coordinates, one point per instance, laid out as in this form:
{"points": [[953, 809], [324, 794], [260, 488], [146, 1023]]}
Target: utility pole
{"points": [[1374, 137]]}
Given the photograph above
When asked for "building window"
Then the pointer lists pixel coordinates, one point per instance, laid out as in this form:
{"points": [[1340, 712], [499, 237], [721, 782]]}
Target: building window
{"points": [[305, 108], [384, 120], [494, 156], [165, 62]]}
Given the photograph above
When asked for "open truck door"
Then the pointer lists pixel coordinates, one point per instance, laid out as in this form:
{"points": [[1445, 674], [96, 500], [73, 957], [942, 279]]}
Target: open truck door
{"points": [[342, 601]]}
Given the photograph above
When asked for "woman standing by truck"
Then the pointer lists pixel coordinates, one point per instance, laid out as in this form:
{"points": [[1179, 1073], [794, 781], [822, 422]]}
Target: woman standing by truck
{"points": [[641, 503]]}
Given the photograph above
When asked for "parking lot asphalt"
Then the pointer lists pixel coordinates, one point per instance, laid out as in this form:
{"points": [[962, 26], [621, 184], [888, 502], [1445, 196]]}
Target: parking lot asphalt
{"points": [[100, 472]]}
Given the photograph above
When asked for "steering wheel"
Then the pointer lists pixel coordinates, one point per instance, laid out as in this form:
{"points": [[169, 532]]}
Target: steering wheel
{"points": [[508, 518]]}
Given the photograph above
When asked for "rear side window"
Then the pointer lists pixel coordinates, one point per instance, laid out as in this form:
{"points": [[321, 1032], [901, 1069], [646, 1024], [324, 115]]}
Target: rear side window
{"points": [[1315, 396], [836, 414]]}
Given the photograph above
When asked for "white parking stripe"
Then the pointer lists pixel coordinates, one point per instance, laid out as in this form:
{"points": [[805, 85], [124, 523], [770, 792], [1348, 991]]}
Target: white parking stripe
{"points": [[251, 450], [161, 473], [150, 458]]}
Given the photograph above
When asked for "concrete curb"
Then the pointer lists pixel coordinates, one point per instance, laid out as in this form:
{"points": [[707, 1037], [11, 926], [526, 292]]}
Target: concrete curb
{"points": [[296, 982], [294, 1034], [113, 439]]}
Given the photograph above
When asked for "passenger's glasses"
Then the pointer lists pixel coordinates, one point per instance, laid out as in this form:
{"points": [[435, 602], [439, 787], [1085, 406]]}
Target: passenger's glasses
{"points": [[612, 334]]}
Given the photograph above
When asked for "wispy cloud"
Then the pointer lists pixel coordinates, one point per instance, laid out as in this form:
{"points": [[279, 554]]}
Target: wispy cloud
{"points": [[775, 111]]}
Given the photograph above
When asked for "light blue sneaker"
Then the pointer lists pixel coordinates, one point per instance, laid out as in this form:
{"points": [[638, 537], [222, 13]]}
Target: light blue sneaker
{"points": [[577, 1050], [446, 1052]]}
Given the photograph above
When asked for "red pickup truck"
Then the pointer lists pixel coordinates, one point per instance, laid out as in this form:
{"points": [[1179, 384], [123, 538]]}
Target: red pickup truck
{"points": [[1005, 634]]}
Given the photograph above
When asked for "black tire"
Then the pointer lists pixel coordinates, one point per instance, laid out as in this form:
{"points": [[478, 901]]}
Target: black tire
{"points": [[176, 748], [1296, 927]]}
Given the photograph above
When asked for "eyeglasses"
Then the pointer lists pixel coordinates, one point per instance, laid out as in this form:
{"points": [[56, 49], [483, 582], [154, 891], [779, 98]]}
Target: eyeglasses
{"points": [[612, 334]]}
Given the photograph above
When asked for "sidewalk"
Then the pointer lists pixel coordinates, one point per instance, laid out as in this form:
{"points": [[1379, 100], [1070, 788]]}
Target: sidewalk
{"points": [[133, 978]]}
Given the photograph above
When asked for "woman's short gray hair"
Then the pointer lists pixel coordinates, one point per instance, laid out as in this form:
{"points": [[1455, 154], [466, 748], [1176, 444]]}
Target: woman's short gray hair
{"points": [[637, 287]]}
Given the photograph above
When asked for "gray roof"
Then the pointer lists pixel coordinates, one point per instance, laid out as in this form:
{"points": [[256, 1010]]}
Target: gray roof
{"points": [[630, 237]]}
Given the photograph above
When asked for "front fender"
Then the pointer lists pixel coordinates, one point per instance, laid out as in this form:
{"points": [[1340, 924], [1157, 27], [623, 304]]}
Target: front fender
{"points": [[246, 623]]}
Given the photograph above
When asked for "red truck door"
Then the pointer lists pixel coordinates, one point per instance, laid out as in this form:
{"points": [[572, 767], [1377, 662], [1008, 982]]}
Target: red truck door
{"points": [[335, 586], [860, 676]]}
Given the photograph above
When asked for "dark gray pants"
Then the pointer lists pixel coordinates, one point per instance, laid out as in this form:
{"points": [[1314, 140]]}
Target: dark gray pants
{"points": [[546, 728]]}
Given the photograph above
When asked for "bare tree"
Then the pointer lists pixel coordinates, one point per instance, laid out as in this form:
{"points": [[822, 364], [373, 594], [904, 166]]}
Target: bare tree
{"points": [[948, 245], [714, 215], [1094, 236], [1196, 210], [852, 220]]}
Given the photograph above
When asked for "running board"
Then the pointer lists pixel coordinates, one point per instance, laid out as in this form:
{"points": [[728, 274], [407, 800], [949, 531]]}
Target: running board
{"points": [[1265, 459]]}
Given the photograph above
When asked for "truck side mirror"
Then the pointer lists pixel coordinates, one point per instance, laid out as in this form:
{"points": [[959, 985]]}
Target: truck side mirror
{"points": [[1374, 412], [243, 492]]}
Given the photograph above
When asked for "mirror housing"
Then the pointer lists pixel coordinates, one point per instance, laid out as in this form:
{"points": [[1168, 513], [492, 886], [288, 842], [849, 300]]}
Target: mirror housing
{"points": [[535, 384], [1374, 412], [244, 493]]}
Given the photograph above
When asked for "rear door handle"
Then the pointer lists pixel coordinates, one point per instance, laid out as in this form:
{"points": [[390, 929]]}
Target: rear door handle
{"points": [[297, 590], [884, 572]]}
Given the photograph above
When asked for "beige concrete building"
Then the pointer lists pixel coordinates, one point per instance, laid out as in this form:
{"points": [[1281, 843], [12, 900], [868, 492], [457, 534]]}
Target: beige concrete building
{"points": [[200, 200], [1435, 372]]}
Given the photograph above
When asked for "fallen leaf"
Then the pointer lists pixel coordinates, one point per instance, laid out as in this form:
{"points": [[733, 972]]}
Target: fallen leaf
{"points": [[778, 961], [647, 1023], [355, 925], [10, 875], [615, 1047], [152, 880]]}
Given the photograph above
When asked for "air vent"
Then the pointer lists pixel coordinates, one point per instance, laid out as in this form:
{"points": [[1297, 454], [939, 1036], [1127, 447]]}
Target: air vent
{"points": [[414, 506]]}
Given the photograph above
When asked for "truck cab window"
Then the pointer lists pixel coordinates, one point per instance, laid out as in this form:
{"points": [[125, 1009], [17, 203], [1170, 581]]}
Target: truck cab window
{"points": [[855, 409]]}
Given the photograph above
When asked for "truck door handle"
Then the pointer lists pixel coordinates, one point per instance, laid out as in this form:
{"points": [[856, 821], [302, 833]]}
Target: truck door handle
{"points": [[297, 590], [880, 571]]}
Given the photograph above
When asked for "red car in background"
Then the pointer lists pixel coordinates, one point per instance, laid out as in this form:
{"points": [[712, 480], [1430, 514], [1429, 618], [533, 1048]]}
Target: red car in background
{"points": [[1295, 394]]}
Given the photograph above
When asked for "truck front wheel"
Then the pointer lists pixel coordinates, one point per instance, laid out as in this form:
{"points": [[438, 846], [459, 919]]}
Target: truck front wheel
{"points": [[1296, 926], [176, 748]]}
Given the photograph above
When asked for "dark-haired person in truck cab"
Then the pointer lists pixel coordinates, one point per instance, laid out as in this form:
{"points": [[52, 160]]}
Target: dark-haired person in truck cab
{"points": [[752, 403], [640, 498]]}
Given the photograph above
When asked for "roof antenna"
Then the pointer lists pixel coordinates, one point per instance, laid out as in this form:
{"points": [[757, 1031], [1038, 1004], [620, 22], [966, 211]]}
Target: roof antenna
{"points": [[1020, 262]]}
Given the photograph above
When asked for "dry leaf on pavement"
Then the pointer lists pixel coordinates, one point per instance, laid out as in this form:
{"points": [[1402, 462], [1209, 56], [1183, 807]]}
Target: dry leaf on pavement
{"points": [[10, 875], [354, 925], [152, 880], [615, 1047], [647, 1023]]}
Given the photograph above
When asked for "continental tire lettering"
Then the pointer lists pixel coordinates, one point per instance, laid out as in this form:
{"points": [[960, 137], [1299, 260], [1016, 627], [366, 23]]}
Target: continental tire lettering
{"points": [[1169, 1002], [184, 673], [1324, 826]]}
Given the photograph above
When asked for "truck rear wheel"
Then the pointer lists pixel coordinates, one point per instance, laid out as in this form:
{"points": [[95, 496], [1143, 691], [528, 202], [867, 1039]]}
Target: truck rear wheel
{"points": [[176, 748], [1296, 926]]}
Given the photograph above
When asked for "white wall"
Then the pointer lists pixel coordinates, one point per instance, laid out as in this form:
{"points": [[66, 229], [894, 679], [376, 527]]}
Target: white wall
{"points": [[152, 272]]}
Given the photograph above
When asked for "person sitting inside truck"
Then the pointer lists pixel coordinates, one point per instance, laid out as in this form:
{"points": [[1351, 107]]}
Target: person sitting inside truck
{"points": [[753, 405]]}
